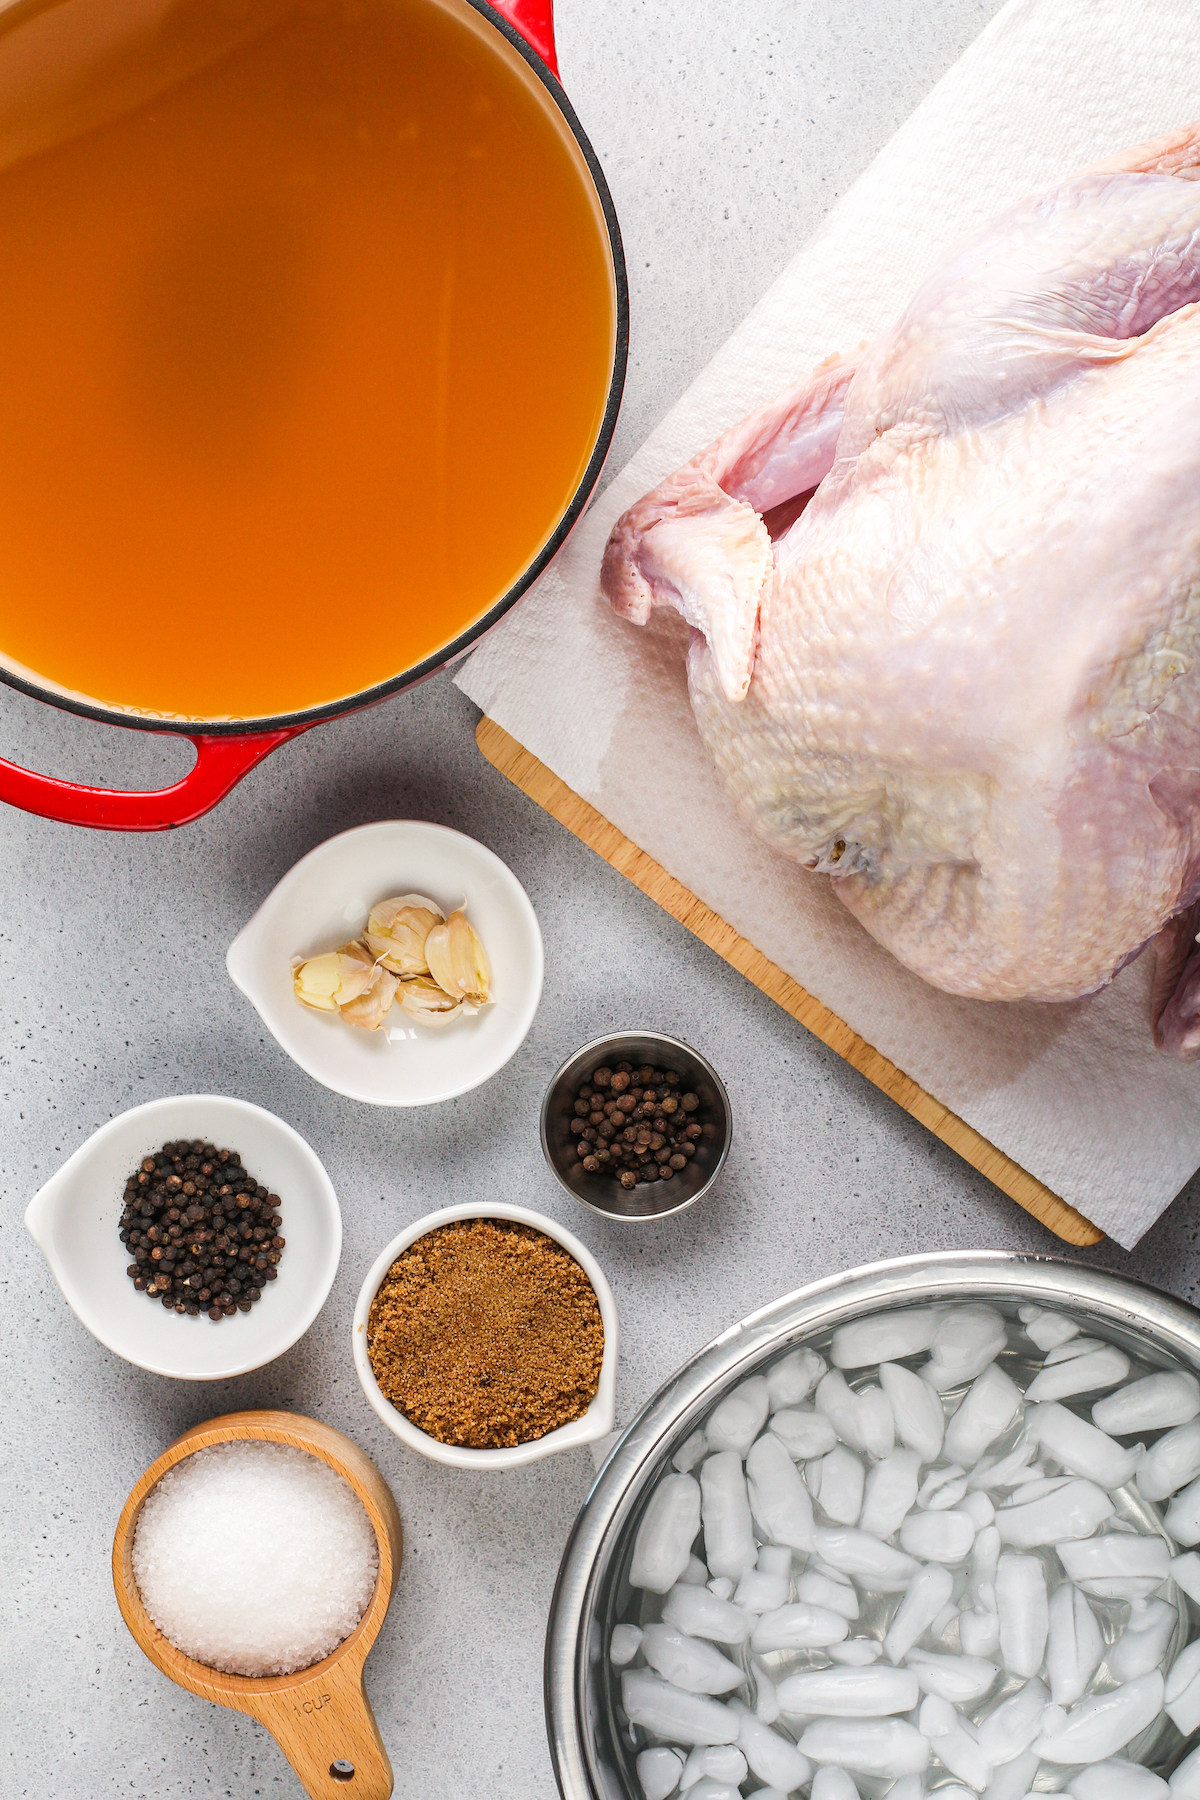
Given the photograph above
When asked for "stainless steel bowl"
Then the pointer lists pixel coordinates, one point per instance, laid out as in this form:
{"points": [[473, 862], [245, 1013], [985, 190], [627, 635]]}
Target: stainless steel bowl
{"points": [[593, 1760], [651, 1199]]}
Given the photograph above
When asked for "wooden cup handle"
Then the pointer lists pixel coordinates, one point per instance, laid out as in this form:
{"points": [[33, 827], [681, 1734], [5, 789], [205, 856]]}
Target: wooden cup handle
{"points": [[324, 1722]]}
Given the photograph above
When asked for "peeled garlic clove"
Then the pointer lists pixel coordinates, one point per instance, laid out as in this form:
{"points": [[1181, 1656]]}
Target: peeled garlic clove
{"points": [[333, 980], [371, 1007], [457, 959], [397, 930], [423, 1000]]}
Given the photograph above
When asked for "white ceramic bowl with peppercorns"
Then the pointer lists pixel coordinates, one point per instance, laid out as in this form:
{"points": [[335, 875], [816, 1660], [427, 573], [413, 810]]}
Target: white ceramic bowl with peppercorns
{"points": [[76, 1217], [594, 1424]]}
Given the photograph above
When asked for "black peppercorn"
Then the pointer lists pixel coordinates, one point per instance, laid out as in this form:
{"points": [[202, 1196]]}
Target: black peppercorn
{"points": [[187, 1252]]}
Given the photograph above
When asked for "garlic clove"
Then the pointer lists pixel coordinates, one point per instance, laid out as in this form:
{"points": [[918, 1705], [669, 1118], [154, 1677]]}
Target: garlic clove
{"points": [[423, 1000], [457, 959], [371, 1007], [397, 930], [334, 979]]}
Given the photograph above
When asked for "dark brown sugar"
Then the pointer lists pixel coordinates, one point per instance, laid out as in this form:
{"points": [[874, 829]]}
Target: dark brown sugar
{"points": [[486, 1333]]}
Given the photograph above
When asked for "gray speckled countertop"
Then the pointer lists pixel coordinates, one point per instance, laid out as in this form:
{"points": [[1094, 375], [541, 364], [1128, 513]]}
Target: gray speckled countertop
{"points": [[726, 133]]}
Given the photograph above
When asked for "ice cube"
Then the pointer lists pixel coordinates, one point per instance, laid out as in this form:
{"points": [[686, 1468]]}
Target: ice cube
{"points": [[855, 1653], [623, 1645], [766, 1700], [689, 1663], [700, 1614], [822, 1590], [949, 1479], [1023, 1610], [720, 1762], [1116, 1779], [944, 1498], [798, 1626], [793, 1378], [1075, 1645], [1011, 1727], [995, 1473], [928, 1592], [1073, 1511], [1104, 1723], [1082, 1448], [831, 1783], [1079, 1346], [1151, 1404], [954, 1743], [944, 1537], [885, 1338], [1183, 1515], [692, 1450], [960, 1679], [737, 1419], [803, 1433], [1117, 1566], [919, 1416], [664, 1537], [1014, 1780], [891, 1492], [837, 1483], [1046, 1328], [760, 1592], [1171, 1463], [771, 1756], [671, 1713], [862, 1420], [979, 1632], [968, 1338], [779, 1500], [1185, 1780], [867, 1746], [978, 1506], [1143, 1643], [659, 1770], [868, 1693], [1182, 1693], [1101, 1368], [991, 1404], [1185, 1571], [879, 1567], [729, 1546], [1037, 1489]]}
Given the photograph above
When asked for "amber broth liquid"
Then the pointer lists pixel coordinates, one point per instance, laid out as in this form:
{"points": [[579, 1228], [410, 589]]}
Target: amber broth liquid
{"points": [[306, 325]]}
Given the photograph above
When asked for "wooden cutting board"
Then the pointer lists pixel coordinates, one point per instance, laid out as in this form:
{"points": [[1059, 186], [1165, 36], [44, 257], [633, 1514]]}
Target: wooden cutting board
{"points": [[545, 788]]}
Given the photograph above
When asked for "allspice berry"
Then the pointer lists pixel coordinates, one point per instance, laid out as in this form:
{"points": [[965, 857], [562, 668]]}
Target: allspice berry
{"points": [[640, 1125]]}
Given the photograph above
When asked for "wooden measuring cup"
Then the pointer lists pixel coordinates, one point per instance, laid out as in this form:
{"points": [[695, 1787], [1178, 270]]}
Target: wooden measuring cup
{"points": [[320, 1717]]}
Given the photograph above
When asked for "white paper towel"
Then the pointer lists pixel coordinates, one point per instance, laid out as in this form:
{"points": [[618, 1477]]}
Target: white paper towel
{"points": [[1075, 1093]]}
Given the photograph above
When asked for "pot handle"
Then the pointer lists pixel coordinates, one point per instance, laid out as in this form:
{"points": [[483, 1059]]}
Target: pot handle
{"points": [[220, 764], [534, 19]]}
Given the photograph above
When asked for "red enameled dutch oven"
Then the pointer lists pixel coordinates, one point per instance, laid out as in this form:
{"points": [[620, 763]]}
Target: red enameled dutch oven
{"points": [[225, 751]]}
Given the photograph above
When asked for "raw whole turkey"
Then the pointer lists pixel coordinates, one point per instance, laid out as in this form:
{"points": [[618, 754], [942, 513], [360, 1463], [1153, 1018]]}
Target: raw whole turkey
{"points": [[945, 599]]}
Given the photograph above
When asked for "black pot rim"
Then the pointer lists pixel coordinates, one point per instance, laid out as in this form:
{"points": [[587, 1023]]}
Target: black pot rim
{"points": [[447, 653]]}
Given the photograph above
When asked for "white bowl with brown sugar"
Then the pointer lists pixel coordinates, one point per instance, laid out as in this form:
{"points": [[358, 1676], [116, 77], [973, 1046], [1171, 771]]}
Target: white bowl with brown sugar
{"points": [[487, 1336]]}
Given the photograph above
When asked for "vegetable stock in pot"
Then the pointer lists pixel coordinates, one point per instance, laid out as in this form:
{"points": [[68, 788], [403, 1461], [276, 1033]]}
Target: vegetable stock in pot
{"points": [[306, 326]]}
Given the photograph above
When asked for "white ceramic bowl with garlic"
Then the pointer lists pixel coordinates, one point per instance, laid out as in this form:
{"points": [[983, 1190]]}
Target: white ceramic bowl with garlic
{"points": [[377, 1026]]}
